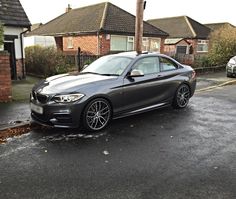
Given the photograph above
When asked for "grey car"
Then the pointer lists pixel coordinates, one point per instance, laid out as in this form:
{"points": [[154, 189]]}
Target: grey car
{"points": [[113, 86], [231, 67]]}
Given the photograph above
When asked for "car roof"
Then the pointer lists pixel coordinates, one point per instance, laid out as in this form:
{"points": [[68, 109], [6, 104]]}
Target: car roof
{"points": [[134, 54]]}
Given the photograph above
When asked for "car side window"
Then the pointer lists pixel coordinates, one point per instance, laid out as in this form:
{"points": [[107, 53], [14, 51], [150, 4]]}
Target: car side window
{"points": [[147, 65], [167, 64]]}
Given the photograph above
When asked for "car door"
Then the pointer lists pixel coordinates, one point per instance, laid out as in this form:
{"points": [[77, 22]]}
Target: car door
{"points": [[142, 90], [169, 78]]}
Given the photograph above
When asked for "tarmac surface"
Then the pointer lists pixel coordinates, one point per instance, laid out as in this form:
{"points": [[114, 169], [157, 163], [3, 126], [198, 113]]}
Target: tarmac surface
{"points": [[166, 154]]}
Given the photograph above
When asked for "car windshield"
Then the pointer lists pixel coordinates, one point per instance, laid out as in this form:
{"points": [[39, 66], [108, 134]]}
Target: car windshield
{"points": [[108, 65]]}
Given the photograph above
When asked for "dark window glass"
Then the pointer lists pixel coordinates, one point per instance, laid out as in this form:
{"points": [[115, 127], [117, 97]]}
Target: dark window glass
{"points": [[167, 64]]}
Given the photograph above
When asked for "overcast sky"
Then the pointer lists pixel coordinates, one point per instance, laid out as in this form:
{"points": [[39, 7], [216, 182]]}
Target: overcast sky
{"points": [[203, 11]]}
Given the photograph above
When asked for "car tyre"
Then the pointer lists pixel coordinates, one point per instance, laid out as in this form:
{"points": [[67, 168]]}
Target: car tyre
{"points": [[229, 75], [97, 114], [182, 96]]}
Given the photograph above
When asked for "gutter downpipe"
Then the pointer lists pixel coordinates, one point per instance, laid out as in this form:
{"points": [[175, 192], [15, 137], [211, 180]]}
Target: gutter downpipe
{"points": [[22, 52]]}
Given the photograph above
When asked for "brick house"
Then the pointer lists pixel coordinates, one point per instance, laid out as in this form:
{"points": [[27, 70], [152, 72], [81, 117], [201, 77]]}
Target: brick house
{"points": [[193, 35], [14, 20], [99, 29]]}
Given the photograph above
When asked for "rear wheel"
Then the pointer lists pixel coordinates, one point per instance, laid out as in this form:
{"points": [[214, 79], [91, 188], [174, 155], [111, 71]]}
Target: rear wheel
{"points": [[229, 75], [97, 114], [182, 96]]}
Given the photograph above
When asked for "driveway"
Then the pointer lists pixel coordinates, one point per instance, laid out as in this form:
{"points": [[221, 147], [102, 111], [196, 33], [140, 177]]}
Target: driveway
{"points": [[171, 154]]}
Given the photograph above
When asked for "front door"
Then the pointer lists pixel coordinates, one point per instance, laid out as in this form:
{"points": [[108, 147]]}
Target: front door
{"points": [[10, 47]]}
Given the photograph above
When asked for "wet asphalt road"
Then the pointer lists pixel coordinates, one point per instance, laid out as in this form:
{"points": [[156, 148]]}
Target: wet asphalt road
{"points": [[170, 154]]}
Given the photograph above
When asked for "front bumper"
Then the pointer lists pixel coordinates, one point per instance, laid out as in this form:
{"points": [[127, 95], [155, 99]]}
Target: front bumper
{"points": [[231, 69], [57, 115]]}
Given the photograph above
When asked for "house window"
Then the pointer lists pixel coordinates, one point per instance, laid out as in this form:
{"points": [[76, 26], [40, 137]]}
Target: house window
{"points": [[70, 42], [202, 46], [122, 43], [155, 45], [130, 45], [145, 44]]}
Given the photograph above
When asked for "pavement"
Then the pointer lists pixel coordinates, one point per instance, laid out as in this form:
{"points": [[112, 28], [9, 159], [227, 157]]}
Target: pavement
{"points": [[17, 113]]}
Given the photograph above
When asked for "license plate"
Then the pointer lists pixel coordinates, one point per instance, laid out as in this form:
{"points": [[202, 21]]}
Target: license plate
{"points": [[36, 108]]}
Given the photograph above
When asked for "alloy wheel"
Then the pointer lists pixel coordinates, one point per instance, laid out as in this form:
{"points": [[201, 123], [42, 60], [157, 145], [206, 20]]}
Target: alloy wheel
{"points": [[183, 95], [98, 114]]}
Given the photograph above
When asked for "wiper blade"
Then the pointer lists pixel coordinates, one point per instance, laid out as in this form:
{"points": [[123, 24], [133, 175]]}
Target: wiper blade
{"points": [[108, 74], [105, 74], [90, 73]]}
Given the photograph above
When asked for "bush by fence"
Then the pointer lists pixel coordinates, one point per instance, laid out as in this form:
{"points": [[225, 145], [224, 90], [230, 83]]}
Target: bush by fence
{"points": [[47, 61]]}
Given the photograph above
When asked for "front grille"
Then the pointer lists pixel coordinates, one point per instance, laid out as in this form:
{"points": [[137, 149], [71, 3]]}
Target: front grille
{"points": [[43, 99]]}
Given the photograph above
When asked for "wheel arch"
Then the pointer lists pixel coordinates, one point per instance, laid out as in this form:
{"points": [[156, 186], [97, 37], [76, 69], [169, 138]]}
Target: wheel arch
{"points": [[101, 96]]}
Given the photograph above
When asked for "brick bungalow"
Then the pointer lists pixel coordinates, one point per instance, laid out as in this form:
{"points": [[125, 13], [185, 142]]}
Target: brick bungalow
{"points": [[193, 35], [99, 29], [14, 20]]}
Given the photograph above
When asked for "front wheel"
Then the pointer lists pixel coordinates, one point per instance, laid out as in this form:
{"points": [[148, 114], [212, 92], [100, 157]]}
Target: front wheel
{"points": [[97, 114], [182, 96]]}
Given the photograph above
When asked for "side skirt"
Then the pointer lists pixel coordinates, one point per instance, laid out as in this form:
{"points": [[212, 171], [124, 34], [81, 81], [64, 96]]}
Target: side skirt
{"points": [[141, 110]]}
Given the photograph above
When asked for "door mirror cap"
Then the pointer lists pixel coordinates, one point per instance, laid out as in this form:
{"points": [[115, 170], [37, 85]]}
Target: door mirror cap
{"points": [[136, 73]]}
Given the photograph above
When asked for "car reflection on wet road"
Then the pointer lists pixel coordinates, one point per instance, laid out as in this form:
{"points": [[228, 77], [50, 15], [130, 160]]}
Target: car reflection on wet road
{"points": [[160, 154]]}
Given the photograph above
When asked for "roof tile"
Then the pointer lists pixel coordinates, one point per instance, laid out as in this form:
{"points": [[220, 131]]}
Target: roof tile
{"points": [[103, 17], [181, 27], [13, 14]]}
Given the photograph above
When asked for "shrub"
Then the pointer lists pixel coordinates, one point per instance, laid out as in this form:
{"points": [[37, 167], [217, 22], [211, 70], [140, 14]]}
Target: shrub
{"points": [[222, 45], [201, 62], [45, 61]]}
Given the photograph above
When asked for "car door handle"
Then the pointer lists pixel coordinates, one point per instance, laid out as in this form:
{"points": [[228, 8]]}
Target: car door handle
{"points": [[158, 76]]}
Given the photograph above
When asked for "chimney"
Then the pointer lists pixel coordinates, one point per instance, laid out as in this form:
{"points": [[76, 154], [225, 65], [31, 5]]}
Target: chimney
{"points": [[68, 9]]}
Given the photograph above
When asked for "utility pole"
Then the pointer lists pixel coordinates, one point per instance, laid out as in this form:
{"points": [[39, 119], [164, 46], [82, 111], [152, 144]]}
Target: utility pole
{"points": [[139, 26]]}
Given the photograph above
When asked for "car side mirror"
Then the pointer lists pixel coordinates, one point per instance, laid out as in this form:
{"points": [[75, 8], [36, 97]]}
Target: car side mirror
{"points": [[136, 73]]}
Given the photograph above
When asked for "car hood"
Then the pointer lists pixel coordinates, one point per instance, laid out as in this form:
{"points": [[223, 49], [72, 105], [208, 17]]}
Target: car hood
{"points": [[69, 83]]}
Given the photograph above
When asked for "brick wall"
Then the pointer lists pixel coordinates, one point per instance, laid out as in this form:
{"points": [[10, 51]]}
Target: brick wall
{"points": [[5, 77], [19, 69], [87, 43], [104, 44], [162, 50]]}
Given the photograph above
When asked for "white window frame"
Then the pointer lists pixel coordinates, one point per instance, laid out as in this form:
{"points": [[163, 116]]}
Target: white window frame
{"points": [[70, 43], [202, 42], [130, 40], [145, 43]]}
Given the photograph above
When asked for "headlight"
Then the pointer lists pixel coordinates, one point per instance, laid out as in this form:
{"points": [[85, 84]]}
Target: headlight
{"points": [[67, 98], [232, 61]]}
